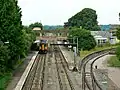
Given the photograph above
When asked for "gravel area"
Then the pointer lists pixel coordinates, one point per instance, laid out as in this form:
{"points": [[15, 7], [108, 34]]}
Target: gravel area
{"points": [[113, 73], [19, 71]]}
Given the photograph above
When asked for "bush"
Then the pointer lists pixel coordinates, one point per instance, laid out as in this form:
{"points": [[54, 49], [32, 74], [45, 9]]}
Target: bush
{"points": [[85, 40], [4, 80], [4, 57], [118, 52], [113, 62]]}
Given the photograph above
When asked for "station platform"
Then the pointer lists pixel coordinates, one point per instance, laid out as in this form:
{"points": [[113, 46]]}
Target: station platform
{"points": [[69, 56], [25, 74]]}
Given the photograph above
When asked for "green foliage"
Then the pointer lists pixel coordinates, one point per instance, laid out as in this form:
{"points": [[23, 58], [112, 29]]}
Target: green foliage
{"points": [[19, 37], [4, 57], [4, 80], [87, 19], [11, 29], [118, 52], [86, 52], [58, 27], [86, 40], [118, 48], [36, 24], [114, 62], [28, 38], [118, 33]]}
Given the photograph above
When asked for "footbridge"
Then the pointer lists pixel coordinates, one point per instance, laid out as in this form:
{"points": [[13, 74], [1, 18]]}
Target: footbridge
{"points": [[60, 38], [52, 34]]}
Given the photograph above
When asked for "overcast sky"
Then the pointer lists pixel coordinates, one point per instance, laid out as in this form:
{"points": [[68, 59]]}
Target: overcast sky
{"points": [[56, 12]]}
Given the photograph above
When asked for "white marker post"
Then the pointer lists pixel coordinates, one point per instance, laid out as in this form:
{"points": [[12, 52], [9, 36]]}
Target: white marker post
{"points": [[75, 54]]}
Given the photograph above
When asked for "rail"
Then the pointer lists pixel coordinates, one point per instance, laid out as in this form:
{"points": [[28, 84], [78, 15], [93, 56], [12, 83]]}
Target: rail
{"points": [[83, 66], [64, 64]]}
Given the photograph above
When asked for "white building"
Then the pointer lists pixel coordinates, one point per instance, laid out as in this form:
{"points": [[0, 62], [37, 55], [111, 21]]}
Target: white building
{"points": [[102, 37], [100, 40]]}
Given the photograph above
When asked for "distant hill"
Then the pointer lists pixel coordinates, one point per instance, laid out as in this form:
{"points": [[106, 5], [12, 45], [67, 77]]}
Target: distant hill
{"points": [[47, 27], [109, 27]]}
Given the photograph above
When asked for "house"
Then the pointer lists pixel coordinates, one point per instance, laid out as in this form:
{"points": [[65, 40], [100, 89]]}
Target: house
{"points": [[107, 31], [100, 40], [103, 37]]}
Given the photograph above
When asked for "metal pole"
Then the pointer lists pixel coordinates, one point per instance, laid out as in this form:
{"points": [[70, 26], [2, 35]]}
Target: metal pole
{"points": [[74, 68], [77, 45]]}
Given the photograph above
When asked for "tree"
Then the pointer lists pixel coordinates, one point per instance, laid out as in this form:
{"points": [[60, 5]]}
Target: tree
{"points": [[4, 57], [118, 52], [86, 40], [11, 29], [28, 38], [118, 48], [87, 19], [36, 24], [19, 37], [118, 33]]}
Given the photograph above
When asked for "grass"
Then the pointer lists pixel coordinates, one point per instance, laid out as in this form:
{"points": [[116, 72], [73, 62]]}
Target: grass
{"points": [[4, 80], [85, 53], [113, 62]]}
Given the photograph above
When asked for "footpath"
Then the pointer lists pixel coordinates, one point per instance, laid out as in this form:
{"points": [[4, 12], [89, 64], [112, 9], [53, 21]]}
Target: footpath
{"points": [[74, 76], [102, 66], [19, 71], [112, 72]]}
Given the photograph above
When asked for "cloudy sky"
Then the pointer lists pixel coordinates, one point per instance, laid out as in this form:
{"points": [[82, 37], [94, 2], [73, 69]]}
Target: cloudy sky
{"points": [[56, 12]]}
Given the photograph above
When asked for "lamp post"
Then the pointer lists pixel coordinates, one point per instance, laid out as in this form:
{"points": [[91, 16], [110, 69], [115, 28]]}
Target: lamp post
{"points": [[75, 49], [75, 68], [75, 53], [76, 43]]}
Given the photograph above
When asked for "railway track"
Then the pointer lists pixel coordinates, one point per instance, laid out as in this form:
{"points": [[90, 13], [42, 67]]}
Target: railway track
{"points": [[49, 72], [89, 81], [65, 82], [35, 78]]}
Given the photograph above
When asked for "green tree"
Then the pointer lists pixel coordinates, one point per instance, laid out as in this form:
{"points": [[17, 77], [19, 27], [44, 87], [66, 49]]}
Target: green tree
{"points": [[4, 57], [29, 37], [118, 48], [36, 24], [11, 29], [118, 33], [118, 52], [87, 19], [86, 40]]}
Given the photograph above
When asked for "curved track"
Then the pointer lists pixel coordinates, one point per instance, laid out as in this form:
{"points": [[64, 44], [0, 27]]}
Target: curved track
{"points": [[88, 78]]}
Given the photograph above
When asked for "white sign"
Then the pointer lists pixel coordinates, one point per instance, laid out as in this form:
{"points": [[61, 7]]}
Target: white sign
{"points": [[74, 48]]}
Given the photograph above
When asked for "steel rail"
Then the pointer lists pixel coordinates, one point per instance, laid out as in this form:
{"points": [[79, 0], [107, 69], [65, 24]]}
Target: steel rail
{"points": [[63, 62], [34, 66], [85, 61], [37, 68], [63, 58], [92, 74]]}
